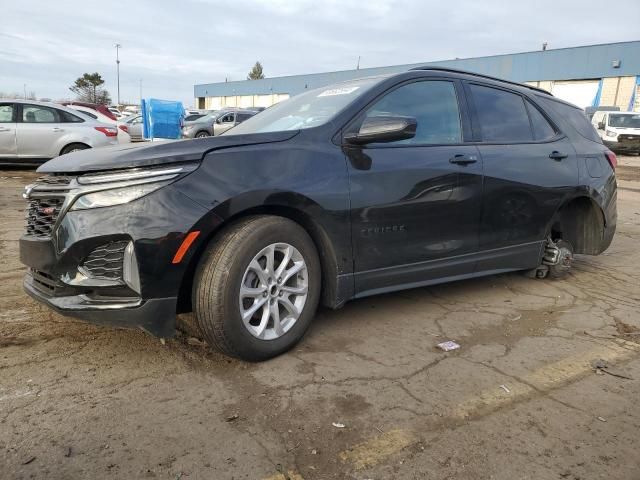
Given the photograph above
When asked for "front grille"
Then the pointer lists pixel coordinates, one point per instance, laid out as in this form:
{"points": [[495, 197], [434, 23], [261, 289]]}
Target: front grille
{"points": [[59, 180], [105, 262], [46, 197], [42, 214], [630, 138]]}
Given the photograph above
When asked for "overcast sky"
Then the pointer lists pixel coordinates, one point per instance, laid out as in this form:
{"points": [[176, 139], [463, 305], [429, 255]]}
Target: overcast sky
{"points": [[173, 45]]}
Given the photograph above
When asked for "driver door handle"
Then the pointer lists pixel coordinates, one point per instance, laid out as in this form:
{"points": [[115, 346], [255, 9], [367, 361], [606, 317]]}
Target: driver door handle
{"points": [[4, 129], [57, 129], [463, 159], [555, 155]]}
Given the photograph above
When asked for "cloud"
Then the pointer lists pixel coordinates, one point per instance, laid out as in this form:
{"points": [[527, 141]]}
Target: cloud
{"points": [[173, 45]]}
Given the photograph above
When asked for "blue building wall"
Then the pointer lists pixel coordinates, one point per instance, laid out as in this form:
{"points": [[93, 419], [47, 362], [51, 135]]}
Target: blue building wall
{"points": [[593, 61]]}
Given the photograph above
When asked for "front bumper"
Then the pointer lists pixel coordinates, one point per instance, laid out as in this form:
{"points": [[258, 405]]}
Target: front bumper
{"points": [[62, 269], [149, 315]]}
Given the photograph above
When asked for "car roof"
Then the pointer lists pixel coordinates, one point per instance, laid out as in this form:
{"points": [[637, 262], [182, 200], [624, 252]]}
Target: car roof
{"points": [[481, 75], [31, 102]]}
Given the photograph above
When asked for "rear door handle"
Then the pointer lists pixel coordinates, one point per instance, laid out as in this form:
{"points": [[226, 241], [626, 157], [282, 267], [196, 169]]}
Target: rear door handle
{"points": [[555, 155], [57, 129], [4, 129], [463, 159]]}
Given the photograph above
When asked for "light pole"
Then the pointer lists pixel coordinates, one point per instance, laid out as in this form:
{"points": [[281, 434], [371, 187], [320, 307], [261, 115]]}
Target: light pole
{"points": [[118, 47]]}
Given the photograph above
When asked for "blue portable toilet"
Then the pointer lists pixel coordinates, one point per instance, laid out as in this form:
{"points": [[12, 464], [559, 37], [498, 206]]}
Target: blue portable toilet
{"points": [[162, 118]]}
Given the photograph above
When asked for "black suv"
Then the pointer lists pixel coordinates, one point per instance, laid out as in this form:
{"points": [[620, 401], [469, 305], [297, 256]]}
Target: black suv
{"points": [[359, 188]]}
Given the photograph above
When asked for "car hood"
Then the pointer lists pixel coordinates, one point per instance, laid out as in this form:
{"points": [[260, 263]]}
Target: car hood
{"points": [[151, 154]]}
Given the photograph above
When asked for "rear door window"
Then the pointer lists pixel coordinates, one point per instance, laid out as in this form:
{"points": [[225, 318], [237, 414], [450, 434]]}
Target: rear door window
{"points": [[95, 117], [502, 115], [67, 117], [243, 116]]}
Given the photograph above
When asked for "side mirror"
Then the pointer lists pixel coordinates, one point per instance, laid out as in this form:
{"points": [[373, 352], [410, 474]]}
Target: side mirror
{"points": [[600, 125], [383, 129]]}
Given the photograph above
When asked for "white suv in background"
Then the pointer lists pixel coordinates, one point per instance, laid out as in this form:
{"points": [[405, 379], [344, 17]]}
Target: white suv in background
{"points": [[620, 131], [32, 132]]}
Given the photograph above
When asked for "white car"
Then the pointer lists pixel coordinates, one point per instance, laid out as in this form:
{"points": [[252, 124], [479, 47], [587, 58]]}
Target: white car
{"points": [[32, 132], [117, 113], [620, 131], [131, 110], [123, 135], [133, 124]]}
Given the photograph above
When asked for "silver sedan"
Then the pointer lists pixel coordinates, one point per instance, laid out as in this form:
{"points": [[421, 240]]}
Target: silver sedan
{"points": [[32, 132]]}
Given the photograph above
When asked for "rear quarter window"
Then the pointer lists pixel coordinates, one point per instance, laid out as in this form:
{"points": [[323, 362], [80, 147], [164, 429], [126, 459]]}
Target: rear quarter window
{"points": [[573, 116], [542, 129]]}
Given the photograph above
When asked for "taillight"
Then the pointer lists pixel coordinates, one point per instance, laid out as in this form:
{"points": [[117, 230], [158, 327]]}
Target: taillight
{"points": [[108, 131], [124, 128], [613, 160]]}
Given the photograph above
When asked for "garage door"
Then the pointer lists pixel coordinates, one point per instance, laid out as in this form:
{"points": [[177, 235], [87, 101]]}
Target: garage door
{"points": [[580, 93]]}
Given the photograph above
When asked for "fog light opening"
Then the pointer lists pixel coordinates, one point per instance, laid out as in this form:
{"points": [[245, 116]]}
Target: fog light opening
{"points": [[130, 269]]}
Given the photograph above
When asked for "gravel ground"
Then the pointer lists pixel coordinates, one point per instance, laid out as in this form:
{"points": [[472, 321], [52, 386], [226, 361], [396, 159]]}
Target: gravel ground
{"points": [[365, 396]]}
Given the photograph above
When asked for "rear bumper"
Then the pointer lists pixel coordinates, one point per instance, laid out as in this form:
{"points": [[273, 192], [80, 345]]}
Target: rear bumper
{"points": [[150, 315]]}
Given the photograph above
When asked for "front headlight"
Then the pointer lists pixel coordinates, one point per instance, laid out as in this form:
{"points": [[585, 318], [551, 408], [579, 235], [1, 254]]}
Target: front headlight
{"points": [[116, 196], [115, 188], [609, 133]]}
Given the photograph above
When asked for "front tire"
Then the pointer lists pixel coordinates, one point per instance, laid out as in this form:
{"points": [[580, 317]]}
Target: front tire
{"points": [[257, 287], [202, 134]]}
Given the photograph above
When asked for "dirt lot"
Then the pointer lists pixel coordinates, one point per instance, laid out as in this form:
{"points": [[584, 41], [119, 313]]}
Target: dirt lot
{"points": [[519, 400]]}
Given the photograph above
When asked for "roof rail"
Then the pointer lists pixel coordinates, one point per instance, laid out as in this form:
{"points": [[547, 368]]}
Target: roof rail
{"points": [[466, 72]]}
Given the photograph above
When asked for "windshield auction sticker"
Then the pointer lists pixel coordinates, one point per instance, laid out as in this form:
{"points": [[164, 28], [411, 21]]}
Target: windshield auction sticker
{"points": [[338, 91]]}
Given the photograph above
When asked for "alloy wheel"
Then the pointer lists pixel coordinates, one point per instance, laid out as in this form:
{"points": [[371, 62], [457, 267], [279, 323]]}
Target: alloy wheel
{"points": [[273, 291]]}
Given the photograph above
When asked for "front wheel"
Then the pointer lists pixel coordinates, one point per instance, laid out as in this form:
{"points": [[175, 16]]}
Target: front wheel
{"points": [[257, 287], [202, 134]]}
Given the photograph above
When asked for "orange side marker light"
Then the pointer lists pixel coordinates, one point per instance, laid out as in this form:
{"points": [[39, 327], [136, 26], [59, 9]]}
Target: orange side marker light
{"points": [[186, 243]]}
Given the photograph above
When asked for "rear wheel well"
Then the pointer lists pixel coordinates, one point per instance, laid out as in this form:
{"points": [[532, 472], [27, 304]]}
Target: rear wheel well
{"points": [[68, 147], [328, 266], [581, 223]]}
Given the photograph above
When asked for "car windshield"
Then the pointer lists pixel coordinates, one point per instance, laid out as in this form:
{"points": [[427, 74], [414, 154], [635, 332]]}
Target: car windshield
{"points": [[624, 121], [309, 109]]}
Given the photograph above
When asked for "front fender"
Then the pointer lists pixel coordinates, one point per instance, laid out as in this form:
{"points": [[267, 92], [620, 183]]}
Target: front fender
{"points": [[308, 178]]}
